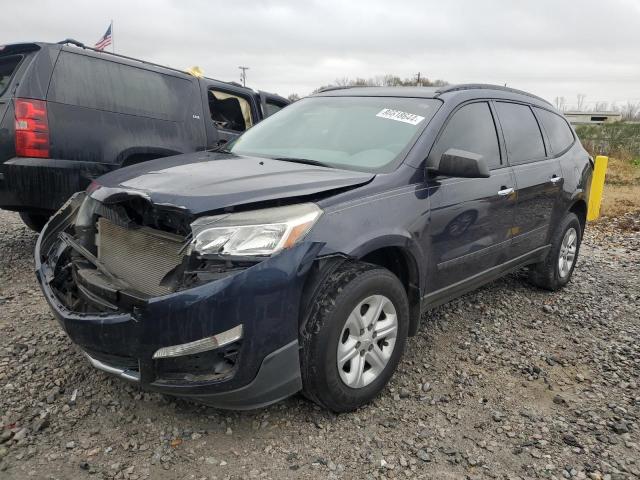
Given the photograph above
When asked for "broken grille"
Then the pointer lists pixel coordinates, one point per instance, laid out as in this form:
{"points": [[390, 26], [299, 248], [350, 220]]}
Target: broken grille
{"points": [[141, 257]]}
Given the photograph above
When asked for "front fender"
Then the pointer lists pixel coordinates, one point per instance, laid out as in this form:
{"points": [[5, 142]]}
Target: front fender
{"points": [[396, 218], [343, 243]]}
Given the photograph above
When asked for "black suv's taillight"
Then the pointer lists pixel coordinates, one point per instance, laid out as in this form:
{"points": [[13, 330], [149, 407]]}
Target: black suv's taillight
{"points": [[32, 128]]}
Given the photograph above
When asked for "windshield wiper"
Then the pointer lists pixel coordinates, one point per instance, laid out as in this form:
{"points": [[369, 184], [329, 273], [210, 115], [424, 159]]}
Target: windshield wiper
{"points": [[306, 161], [221, 147]]}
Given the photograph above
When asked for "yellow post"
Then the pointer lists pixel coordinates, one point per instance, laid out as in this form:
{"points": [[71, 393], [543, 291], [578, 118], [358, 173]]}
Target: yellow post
{"points": [[597, 186]]}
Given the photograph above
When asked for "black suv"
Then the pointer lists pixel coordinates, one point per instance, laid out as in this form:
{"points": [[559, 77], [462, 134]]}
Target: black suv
{"points": [[303, 257], [69, 114]]}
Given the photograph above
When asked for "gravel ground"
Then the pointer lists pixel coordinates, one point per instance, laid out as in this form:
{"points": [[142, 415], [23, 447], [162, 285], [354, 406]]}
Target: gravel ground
{"points": [[509, 382]]}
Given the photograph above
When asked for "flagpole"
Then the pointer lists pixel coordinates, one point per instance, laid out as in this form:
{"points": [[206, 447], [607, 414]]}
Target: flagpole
{"points": [[113, 41]]}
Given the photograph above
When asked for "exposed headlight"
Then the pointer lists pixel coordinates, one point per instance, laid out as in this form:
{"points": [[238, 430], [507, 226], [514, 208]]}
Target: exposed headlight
{"points": [[257, 232]]}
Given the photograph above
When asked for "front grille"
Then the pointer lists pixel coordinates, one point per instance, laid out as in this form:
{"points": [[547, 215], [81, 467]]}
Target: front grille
{"points": [[141, 257]]}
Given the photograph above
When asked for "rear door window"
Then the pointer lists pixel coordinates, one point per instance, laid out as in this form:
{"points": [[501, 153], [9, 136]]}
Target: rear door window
{"points": [[521, 133], [558, 131], [230, 111], [472, 129], [105, 85], [8, 66]]}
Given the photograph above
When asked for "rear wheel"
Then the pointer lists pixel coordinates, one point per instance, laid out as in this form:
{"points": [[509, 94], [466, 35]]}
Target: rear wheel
{"points": [[355, 337], [35, 221], [555, 272]]}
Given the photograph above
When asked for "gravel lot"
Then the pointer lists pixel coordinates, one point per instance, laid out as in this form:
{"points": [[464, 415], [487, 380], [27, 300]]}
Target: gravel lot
{"points": [[509, 382]]}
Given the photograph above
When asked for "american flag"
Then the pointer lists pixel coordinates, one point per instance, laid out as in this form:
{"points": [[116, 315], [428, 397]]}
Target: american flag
{"points": [[105, 41]]}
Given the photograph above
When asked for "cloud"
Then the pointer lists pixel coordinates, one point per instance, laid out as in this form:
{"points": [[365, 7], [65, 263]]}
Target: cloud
{"points": [[548, 47]]}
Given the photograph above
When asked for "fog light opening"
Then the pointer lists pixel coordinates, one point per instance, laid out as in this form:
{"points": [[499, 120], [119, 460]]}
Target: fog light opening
{"points": [[202, 345]]}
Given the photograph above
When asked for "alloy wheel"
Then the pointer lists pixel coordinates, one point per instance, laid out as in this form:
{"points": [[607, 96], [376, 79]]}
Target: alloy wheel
{"points": [[367, 341], [567, 255]]}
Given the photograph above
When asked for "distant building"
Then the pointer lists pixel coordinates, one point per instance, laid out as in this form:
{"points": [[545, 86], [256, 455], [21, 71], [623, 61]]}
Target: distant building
{"points": [[586, 118]]}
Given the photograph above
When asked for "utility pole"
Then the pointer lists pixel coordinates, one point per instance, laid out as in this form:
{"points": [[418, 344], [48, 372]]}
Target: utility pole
{"points": [[243, 75]]}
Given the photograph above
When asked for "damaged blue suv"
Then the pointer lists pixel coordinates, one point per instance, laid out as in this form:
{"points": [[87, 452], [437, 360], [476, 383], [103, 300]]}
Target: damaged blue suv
{"points": [[301, 258]]}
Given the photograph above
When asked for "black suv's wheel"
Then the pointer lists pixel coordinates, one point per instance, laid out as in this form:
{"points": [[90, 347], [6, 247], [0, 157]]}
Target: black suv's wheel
{"points": [[555, 272], [35, 221], [356, 334]]}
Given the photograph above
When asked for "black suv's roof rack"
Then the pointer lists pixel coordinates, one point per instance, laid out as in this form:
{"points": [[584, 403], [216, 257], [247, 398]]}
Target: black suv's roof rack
{"points": [[486, 86], [71, 41]]}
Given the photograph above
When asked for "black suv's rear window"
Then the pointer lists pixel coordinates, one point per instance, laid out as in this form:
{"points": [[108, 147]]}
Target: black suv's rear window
{"points": [[105, 85], [8, 66]]}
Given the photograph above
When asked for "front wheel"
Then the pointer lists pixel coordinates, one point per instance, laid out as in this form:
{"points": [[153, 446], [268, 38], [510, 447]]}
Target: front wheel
{"points": [[355, 336], [555, 272]]}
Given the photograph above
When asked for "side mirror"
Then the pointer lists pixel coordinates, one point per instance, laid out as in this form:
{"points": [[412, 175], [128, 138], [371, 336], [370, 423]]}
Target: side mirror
{"points": [[460, 163]]}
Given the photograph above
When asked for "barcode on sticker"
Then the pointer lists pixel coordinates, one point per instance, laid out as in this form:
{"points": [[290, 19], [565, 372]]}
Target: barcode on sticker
{"points": [[400, 116]]}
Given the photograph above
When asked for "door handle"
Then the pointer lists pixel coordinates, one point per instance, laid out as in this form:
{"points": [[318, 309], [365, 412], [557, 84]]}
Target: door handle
{"points": [[555, 179], [505, 191]]}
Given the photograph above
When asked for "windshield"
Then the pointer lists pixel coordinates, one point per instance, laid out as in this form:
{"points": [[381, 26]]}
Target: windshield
{"points": [[370, 134], [7, 67]]}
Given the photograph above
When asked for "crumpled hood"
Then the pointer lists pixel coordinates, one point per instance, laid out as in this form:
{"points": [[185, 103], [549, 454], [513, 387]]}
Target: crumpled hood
{"points": [[205, 181]]}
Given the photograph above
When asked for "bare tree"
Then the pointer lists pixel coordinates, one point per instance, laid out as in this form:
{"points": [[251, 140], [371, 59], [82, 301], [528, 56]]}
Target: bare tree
{"points": [[561, 104], [384, 81], [581, 97], [630, 111], [342, 82], [601, 107]]}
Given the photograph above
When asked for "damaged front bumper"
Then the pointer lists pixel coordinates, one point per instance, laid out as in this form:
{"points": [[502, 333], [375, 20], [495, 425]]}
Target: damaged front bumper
{"points": [[260, 368]]}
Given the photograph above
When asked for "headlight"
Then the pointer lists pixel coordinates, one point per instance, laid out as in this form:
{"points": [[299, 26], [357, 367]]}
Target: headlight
{"points": [[257, 232]]}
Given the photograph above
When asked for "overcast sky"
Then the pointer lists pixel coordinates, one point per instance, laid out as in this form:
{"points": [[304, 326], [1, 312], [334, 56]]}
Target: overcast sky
{"points": [[549, 47]]}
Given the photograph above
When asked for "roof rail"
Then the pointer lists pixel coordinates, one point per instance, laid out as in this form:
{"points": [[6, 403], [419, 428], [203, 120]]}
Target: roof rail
{"points": [[338, 87], [83, 46], [71, 41], [76, 43], [487, 86]]}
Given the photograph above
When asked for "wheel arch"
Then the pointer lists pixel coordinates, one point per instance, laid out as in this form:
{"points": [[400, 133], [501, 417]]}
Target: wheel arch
{"points": [[396, 252], [136, 155], [579, 208]]}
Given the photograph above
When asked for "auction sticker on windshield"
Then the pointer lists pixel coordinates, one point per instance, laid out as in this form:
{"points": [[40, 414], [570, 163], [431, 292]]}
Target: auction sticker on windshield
{"points": [[400, 116]]}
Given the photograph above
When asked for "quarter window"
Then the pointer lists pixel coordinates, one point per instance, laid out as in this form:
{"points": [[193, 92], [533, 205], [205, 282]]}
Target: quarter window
{"points": [[472, 129], [521, 133], [558, 131]]}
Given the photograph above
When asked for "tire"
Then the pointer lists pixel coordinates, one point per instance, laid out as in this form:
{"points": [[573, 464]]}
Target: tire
{"points": [[548, 274], [35, 221], [331, 324]]}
